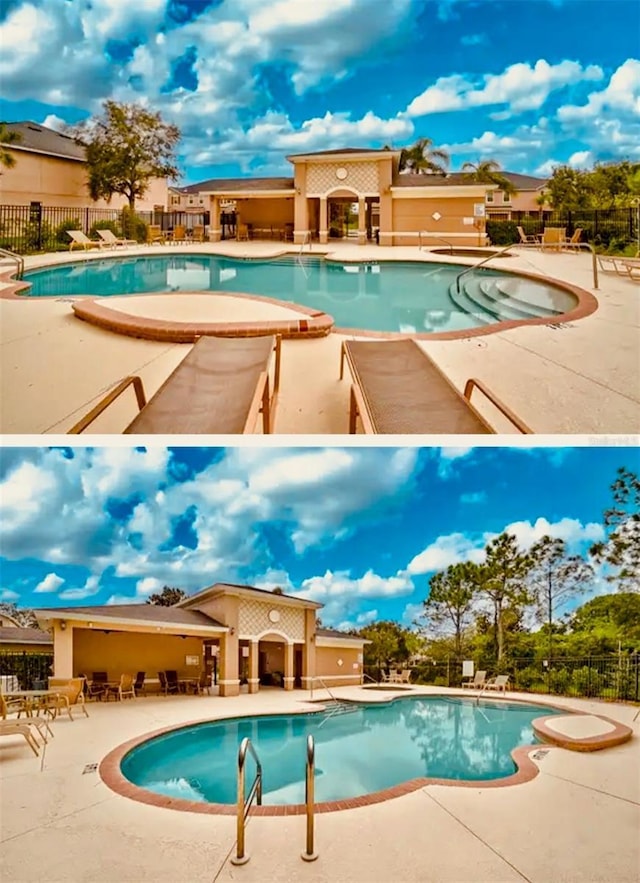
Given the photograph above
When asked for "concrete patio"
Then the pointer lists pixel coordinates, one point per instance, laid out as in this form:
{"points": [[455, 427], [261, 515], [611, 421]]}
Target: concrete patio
{"points": [[577, 820], [580, 378]]}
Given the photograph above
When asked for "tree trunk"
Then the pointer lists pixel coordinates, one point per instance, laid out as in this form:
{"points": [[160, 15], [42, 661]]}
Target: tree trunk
{"points": [[499, 635]]}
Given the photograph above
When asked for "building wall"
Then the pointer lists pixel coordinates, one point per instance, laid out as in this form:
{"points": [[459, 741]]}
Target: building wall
{"points": [[129, 652], [335, 675], [7, 621], [414, 215], [267, 212], [62, 182]]}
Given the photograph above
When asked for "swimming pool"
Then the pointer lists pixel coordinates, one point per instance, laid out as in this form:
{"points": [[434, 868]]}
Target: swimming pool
{"points": [[407, 297], [369, 748]]}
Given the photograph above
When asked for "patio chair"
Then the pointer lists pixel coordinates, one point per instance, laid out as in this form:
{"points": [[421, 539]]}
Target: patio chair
{"points": [[69, 695], [155, 234], [97, 688], [220, 387], [553, 238], [478, 680], [527, 238], [204, 683], [123, 689], [398, 388], [138, 685], [574, 243], [111, 239], [173, 682], [81, 240], [178, 234], [405, 676], [198, 233], [242, 231], [500, 683], [10, 706]]}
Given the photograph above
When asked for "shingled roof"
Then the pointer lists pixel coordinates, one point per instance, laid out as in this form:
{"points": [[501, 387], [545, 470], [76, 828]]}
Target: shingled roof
{"points": [[40, 139], [239, 184], [13, 635], [145, 612]]}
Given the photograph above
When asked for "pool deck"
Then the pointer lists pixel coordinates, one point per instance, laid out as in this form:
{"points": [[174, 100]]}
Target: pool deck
{"points": [[582, 377], [576, 820]]}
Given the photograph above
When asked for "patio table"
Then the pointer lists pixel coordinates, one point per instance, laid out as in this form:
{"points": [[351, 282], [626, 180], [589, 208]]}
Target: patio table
{"points": [[30, 697]]}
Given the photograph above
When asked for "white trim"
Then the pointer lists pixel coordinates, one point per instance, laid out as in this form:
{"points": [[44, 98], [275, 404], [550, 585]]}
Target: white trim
{"points": [[343, 157], [248, 194], [357, 193], [435, 234], [342, 643], [229, 683], [452, 191], [356, 675], [84, 619], [253, 680], [255, 638]]}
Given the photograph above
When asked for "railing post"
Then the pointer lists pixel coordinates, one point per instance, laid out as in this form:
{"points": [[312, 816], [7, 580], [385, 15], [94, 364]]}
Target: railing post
{"points": [[240, 858], [309, 855]]}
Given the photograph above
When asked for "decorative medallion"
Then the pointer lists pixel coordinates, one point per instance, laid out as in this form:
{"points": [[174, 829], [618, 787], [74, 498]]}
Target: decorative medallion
{"points": [[341, 173], [274, 616]]}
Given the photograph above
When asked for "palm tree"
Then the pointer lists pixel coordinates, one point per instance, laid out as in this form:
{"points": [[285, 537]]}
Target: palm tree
{"points": [[7, 159], [488, 171], [423, 159]]}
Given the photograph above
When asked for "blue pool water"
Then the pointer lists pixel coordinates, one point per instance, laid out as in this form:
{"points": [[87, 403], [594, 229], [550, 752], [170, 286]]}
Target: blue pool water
{"points": [[407, 297], [368, 749]]}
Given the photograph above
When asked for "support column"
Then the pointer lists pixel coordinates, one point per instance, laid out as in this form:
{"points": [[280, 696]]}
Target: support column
{"points": [[228, 677], [385, 173], [215, 228], [288, 666], [323, 232], [62, 651], [300, 206], [362, 221], [309, 651], [253, 677]]}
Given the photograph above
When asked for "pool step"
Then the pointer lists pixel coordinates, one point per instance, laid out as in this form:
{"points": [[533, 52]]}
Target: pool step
{"points": [[335, 707], [488, 294], [464, 304], [527, 295]]}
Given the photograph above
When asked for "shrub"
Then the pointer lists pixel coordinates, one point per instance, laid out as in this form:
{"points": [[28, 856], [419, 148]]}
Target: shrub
{"points": [[61, 230], [503, 232], [35, 237], [559, 680], [133, 227]]}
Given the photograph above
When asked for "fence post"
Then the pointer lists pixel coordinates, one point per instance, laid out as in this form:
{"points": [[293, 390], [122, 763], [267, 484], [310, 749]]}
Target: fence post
{"points": [[35, 218]]}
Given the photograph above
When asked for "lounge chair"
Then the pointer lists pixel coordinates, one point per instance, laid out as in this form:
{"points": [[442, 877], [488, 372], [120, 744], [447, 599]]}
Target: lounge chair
{"points": [[16, 706], [397, 388], [500, 683], [82, 240], [20, 728], [405, 676], [632, 267], [527, 239], [478, 680], [574, 242], [111, 239], [138, 685], [221, 387], [553, 238]]}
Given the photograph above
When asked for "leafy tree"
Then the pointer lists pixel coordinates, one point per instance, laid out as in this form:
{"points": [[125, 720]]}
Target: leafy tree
{"points": [[609, 184], [502, 578], [488, 171], [277, 591], [568, 189], [7, 159], [390, 643], [167, 597], [126, 147], [22, 615], [423, 159], [621, 610], [450, 601], [554, 577], [621, 549]]}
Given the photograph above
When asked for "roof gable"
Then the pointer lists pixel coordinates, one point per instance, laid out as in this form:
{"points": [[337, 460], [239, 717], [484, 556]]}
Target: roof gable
{"points": [[40, 139]]}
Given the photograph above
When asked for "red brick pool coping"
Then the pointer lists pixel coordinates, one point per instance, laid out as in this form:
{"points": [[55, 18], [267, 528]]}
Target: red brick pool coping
{"points": [[526, 769], [313, 323], [318, 322]]}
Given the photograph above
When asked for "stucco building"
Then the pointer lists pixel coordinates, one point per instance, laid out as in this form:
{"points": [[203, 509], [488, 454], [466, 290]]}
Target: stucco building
{"points": [[250, 636], [50, 168]]}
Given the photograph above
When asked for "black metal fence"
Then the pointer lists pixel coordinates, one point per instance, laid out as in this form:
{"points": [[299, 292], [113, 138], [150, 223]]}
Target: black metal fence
{"points": [[600, 227], [603, 677], [36, 227], [29, 668]]}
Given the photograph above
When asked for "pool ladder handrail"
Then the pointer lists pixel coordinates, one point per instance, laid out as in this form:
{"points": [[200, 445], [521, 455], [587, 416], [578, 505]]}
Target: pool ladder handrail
{"points": [[316, 678], [5, 252], [480, 264], [433, 236], [244, 806], [310, 855]]}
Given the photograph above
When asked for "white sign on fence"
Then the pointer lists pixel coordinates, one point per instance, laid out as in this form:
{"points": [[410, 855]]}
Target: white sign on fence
{"points": [[467, 668]]}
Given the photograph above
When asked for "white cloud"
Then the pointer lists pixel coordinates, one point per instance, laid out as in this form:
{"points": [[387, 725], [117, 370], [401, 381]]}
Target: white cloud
{"points": [[572, 531], [581, 159], [147, 586], [521, 86], [51, 583], [444, 552], [8, 595], [91, 587]]}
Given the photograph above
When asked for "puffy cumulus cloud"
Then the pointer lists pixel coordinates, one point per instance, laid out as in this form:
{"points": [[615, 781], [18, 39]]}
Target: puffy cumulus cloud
{"points": [[521, 86], [445, 551], [572, 531], [91, 587], [581, 159], [622, 93], [8, 595], [118, 508], [51, 583], [361, 620], [342, 594]]}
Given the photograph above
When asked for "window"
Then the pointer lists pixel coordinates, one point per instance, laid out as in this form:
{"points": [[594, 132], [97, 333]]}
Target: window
{"points": [[489, 195], [506, 197]]}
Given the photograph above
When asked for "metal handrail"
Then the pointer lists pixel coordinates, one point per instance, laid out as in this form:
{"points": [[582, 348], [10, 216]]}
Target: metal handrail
{"points": [[310, 855], [369, 678], [244, 806], [17, 258], [480, 263], [335, 699], [439, 238], [570, 245]]}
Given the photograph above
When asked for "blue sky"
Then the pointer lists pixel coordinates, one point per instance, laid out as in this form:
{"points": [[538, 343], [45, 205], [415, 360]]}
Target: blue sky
{"points": [[360, 529], [530, 83]]}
